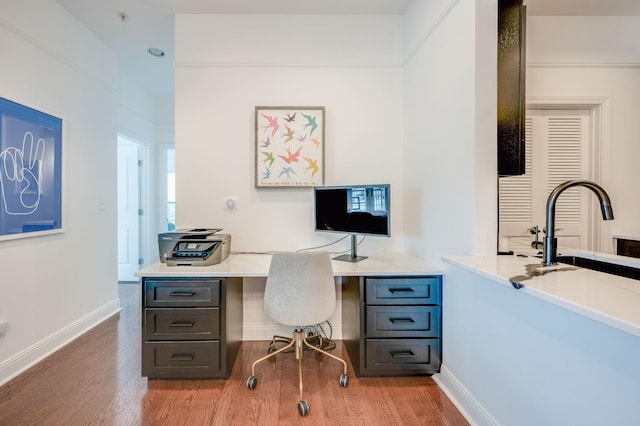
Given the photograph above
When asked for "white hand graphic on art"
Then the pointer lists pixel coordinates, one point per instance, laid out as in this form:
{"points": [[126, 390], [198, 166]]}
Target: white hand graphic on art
{"points": [[20, 172]]}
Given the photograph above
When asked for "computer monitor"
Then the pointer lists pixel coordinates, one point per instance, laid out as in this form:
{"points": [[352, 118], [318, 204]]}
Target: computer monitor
{"points": [[355, 210]]}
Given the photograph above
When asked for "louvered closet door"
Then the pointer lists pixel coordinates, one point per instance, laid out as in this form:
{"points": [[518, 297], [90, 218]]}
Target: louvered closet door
{"points": [[556, 151]]}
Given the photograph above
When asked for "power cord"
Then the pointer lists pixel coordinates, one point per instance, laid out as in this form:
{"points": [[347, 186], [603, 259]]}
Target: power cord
{"points": [[324, 245], [324, 342], [308, 248]]}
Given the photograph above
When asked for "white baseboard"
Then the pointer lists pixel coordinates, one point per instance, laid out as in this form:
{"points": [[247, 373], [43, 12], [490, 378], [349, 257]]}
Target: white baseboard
{"points": [[22, 361], [470, 408]]}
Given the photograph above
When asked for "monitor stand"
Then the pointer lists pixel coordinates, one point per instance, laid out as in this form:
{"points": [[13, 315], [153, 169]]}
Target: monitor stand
{"points": [[353, 257]]}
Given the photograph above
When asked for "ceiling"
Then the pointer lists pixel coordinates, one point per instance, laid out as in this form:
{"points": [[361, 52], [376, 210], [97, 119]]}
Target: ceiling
{"points": [[131, 27]]}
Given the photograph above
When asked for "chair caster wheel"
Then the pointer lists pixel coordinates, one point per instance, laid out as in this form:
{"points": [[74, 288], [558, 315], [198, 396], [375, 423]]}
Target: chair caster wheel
{"points": [[344, 380], [303, 407], [252, 381], [271, 349]]}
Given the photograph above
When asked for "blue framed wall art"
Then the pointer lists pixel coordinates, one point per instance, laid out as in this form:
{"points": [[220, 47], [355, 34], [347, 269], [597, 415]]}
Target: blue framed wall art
{"points": [[30, 171]]}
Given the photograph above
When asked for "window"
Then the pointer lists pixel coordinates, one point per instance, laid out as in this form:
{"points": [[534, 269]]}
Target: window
{"points": [[171, 189]]}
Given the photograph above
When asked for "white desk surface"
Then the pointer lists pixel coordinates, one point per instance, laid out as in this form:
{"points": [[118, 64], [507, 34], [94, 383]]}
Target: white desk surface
{"points": [[257, 265]]}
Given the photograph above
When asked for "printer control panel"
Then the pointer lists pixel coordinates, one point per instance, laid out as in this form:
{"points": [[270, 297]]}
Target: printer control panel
{"points": [[193, 247]]}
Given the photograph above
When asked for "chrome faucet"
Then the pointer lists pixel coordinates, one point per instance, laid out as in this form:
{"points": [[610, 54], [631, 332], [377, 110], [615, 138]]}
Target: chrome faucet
{"points": [[550, 240]]}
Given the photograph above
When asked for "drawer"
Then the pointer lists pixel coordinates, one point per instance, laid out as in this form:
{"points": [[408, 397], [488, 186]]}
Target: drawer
{"points": [[182, 324], [403, 321], [181, 359], [402, 355], [403, 291], [187, 293]]}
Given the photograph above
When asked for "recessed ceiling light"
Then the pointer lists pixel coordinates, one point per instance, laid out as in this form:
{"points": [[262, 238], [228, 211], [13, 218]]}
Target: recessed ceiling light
{"points": [[154, 51]]}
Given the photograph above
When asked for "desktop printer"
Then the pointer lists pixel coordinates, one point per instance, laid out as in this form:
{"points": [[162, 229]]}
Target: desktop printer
{"points": [[193, 247]]}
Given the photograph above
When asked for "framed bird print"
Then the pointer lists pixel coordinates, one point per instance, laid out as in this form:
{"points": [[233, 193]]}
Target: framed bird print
{"points": [[289, 147]]}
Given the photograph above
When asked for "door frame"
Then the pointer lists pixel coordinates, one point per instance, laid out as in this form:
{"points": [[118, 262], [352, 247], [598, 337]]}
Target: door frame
{"points": [[129, 192], [144, 250], [598, 169]]}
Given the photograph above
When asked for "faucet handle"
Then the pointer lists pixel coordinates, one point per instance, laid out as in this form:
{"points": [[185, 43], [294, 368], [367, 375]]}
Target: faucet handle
{"points": [[544, 229], [536, 244]]}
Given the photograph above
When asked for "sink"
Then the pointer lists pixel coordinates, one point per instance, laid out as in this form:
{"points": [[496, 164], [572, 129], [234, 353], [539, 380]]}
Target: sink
{"points": [[597, 265]]}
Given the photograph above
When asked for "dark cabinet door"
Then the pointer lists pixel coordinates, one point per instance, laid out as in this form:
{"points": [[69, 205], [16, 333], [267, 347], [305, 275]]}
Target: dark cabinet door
{"points": [[511, 87]]}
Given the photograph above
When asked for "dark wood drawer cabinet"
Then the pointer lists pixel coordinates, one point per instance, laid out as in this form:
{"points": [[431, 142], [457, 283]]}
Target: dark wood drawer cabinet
{"points": [[392, 325], [399, 356], [402, 321], [185, 293], [182, 323], [191, 328], [182, 360], [402, 291]]}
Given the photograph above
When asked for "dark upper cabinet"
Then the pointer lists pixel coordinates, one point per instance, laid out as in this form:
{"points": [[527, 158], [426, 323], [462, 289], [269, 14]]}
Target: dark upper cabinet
{"points": [[511, 87]]}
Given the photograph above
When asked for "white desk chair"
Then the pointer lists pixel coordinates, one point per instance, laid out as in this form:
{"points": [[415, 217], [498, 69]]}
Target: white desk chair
{"points": [[300, 291]]}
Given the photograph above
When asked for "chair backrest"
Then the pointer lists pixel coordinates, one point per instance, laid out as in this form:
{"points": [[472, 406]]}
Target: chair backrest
{"points": [[300, 288]]}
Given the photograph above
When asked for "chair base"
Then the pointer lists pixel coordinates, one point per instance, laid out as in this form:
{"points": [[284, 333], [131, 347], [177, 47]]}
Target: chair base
{"points": [[298, 341]]}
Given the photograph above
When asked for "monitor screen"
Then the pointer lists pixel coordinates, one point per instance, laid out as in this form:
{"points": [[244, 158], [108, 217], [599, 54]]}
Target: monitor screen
{"points": [[354, 209]]}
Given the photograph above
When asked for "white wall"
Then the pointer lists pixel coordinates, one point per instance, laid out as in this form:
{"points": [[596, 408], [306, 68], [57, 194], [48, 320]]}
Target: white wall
{"points": [[410, 103], [450, 132], [227, 65], [424, 83], [55, 287], [576, 58]]}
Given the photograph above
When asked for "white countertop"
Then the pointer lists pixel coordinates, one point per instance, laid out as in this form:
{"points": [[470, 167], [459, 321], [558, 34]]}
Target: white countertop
{"points": [[257, 265], [606, 298]]}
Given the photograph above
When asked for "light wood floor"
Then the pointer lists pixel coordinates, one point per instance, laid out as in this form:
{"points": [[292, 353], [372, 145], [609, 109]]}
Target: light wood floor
{"points": [[96, 380]]}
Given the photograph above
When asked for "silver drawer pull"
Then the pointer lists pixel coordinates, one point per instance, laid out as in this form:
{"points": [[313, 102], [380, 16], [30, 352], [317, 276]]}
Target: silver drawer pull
{"points": [[402, 354], [401, 320], [182, 324], [182, 357], [180, 293], [401, 290]]}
